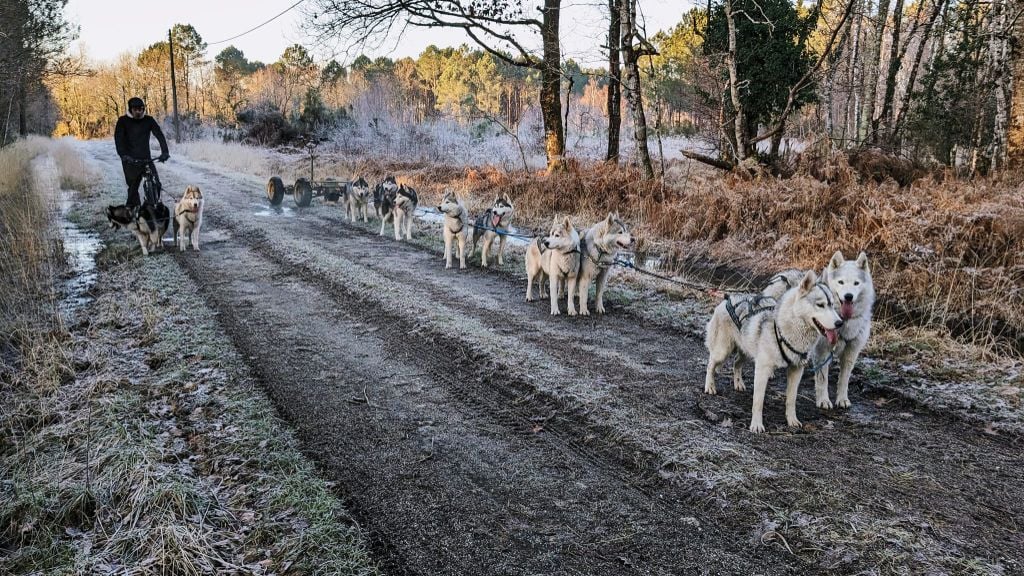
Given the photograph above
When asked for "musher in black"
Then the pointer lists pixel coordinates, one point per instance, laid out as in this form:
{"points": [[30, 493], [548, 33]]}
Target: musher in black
{"points": [[131, 136]]}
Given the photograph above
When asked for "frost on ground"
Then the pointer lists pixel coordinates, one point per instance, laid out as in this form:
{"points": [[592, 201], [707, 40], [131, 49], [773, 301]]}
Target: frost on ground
{"points": [[158, 453]]}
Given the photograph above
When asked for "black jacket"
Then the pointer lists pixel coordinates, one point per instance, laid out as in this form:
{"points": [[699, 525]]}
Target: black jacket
{"points": [[131, 136]]}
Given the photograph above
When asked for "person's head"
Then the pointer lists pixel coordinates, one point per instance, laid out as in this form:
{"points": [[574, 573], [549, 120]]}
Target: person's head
{"points": [[136, 107]]}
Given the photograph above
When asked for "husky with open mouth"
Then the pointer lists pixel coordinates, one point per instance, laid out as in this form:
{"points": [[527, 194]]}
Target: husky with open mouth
{"points": [[854, 291], [777, 335], [493, 223]]}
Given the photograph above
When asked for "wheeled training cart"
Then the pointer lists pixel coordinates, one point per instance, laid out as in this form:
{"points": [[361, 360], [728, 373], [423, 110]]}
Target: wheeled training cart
{"points": [[304, 190]]}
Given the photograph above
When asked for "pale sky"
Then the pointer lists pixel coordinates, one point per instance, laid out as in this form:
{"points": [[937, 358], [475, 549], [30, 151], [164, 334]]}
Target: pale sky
{"points": [[111, 28]]}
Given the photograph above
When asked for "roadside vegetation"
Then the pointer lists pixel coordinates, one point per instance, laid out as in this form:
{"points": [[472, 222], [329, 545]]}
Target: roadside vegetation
{"points": [[132, 437]]}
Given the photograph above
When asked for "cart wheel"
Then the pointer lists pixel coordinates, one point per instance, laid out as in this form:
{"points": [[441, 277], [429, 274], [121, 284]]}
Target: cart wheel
{"points": [[275, 190], [303, 192]]}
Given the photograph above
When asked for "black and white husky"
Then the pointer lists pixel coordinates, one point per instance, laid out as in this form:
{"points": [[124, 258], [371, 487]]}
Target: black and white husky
{"points": [[493, 223], [148, 222], [395, 203]]}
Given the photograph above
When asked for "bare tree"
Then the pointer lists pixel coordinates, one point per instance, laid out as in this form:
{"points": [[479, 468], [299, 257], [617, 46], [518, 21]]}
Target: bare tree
{"points": [[492, 24], [614, 83], [633, 46]]}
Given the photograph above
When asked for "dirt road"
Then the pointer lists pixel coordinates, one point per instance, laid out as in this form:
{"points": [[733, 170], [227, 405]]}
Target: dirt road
{"points": [[472, 433]]}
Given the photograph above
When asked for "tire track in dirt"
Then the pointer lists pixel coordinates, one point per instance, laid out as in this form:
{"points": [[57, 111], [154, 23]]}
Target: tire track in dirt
{"points": [[893, 460], [554, 485]]}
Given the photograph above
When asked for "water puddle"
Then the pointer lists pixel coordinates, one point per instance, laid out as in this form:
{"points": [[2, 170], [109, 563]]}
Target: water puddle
{"points": [[266, 210], [80, 248]]}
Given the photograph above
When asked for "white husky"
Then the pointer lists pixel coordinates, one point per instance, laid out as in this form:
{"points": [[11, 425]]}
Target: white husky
{"points": [[598, 248], [774, 338], [456, 227], [854, 290], [556, 256]]}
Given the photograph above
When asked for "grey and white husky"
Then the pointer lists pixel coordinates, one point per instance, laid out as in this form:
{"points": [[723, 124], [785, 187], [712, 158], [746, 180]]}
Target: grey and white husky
{"points": [[384, 199], [148, 222], [456, 227], [780, 336], [395, 203], [358, 200], [557, 258], [854, 291], [599, 246], [493, 223]]}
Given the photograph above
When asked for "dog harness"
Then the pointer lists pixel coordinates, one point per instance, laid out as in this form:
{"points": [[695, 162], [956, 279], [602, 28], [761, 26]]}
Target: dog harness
{"points": [[462, 224], [600, 262], [743, 310], [780, 278], [783, 343]]}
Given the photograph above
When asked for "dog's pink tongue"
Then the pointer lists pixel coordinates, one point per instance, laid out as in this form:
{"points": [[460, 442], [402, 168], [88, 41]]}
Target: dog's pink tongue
{"points": [[495, 220], [832, 336], [846, 310]]}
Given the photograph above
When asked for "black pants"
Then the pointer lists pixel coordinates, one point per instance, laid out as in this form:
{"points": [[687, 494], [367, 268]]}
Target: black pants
{"points": [[133, 174]]}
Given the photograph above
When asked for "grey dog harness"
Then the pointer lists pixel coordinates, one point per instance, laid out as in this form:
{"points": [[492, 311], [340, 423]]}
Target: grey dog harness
{"points": [[783, 344]]}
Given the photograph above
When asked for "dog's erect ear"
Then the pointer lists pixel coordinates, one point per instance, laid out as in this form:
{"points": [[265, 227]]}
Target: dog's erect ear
{"points": [[837, 260], [507, 199], [611, 219], [862, 262], [808, 282]]}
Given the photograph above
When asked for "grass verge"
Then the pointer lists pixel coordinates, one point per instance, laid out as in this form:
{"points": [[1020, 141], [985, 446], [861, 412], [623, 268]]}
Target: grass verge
{"points": [[152, 450]]}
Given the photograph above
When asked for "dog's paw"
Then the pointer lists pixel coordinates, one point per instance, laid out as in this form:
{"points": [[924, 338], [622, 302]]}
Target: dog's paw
{"points": [[843, 402], [584, 312], [447, 266], [572, 311], [555, 312], [825, 404], [756, 427], [793, 422], [710, 390], [739, 386], [599, 308]]}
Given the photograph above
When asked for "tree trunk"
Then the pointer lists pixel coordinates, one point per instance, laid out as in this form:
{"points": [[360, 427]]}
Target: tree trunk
{"points": [[634, 98], [851, 114], [739, 122], [614, 84], [999, 62], [550, 95], [874, 64], [1015, 131], [897, 130], [885, 118], [22, 102], [776, 141]]}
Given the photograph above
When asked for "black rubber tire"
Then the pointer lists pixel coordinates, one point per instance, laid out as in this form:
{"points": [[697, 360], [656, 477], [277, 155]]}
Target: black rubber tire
{"points": [[303, 192], [275, 190]]}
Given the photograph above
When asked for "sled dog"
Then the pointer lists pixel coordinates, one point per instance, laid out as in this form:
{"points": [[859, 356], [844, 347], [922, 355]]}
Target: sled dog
{"points": [[779, 336], [148, 222], [599, 246], [456, 227], [493, 223], [188, 218], [557, 258]]}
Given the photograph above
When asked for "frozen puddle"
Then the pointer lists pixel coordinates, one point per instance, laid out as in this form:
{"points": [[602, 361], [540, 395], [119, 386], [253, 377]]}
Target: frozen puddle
{"points": [[80, 249]]}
